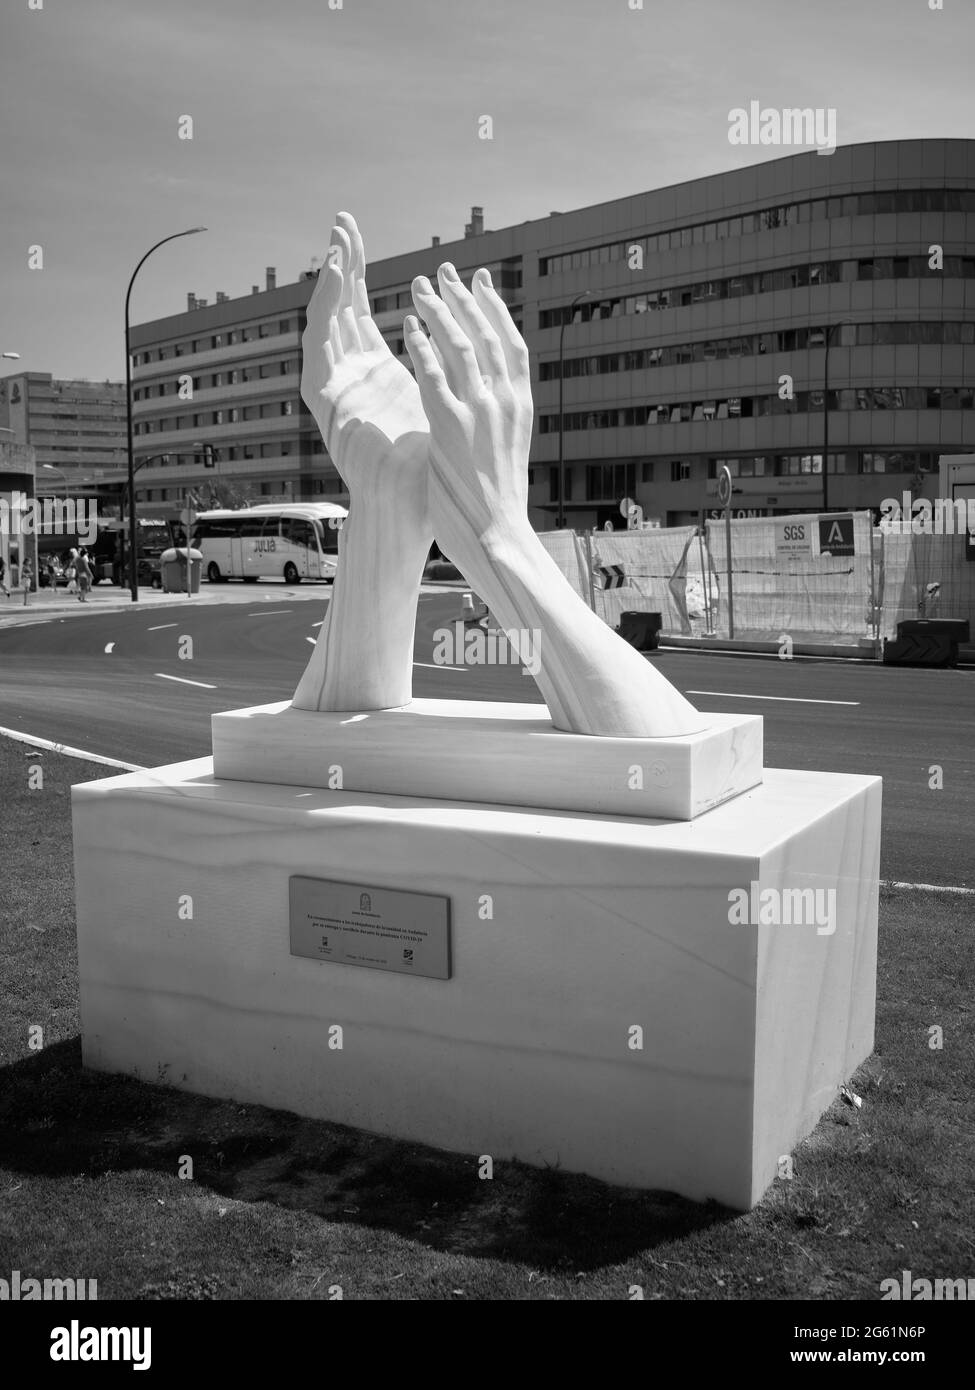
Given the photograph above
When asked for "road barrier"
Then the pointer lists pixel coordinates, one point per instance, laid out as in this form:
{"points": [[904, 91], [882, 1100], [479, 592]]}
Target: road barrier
{"points": [[833, 578]]}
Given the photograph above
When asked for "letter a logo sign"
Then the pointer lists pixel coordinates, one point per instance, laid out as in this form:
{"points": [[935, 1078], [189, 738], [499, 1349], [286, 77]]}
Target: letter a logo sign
{"points": [[836, 535]]}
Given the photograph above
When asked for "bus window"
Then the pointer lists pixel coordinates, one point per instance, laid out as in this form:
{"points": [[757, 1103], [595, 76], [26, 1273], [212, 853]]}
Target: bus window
{"points": [[328, 536], [250, 526], [300, 532]]}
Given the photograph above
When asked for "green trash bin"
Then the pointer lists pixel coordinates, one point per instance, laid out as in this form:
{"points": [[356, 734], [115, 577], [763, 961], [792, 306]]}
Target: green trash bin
{"points": [[173, 564]]}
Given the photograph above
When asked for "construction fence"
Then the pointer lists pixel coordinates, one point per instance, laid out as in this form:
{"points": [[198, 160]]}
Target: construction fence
{"points": [[846, 583]]}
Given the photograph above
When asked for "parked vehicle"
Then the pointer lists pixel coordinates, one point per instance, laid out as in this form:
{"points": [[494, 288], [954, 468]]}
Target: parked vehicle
{"points": [[295, 540]]}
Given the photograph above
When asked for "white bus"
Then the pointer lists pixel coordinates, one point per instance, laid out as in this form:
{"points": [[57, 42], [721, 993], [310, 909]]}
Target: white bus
{"points": [[297, 540]]}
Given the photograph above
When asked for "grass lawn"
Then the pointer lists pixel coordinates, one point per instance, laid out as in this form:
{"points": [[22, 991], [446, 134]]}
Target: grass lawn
{"points": [[280, 1207]]}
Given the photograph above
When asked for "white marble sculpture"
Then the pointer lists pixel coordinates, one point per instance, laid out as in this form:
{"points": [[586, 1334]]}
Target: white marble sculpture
{"points": [[446, 456]]}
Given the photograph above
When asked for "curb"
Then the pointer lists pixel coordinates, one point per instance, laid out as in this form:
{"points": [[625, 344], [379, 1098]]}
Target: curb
{"points": [[867, 650]]}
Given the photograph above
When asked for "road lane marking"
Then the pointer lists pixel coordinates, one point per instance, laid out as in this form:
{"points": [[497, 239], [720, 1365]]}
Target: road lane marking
{"points": [[67, 750], [318, 624], [183, 681], [268, 612], [312, 640], [109, 646], [786, 699], [434, 667], [161, 626], [926, 887]]}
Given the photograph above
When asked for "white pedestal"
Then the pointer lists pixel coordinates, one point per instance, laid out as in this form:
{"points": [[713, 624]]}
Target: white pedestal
{"points": [[506, 754], [597, 926]]}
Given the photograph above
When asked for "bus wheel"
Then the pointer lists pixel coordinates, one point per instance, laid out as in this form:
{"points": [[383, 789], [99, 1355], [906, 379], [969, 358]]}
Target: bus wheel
{"points": [[291, 575], [213, 573]]}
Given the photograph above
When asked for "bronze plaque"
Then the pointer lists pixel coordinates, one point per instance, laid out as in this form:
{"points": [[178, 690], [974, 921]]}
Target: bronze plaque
{"points": [[380, 928]]}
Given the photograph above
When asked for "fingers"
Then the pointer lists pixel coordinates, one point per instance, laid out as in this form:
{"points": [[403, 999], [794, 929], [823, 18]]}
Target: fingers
{"points": [[344, 261], [491, 360], [330, 289], [324, 301], [349, 330], [335, 345], [348, 224], [369, 334], [430, 378], [455, 346], [496, 312]]}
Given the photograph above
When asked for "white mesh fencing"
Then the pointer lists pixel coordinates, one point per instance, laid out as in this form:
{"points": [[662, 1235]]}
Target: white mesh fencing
{"points": [[808, 596], [681, 573], [925, 577], [567, 550]]}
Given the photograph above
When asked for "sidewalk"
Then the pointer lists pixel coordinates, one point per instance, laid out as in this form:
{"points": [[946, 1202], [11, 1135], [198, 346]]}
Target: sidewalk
{"points": [[105, 598]]}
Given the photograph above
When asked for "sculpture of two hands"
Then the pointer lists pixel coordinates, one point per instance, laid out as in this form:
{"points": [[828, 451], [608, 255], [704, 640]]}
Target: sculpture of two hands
{"points": [[445, 456]]}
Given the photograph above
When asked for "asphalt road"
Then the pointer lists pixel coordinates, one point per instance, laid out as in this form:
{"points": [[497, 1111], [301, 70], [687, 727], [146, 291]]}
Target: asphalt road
{"points": [[114, 683]]}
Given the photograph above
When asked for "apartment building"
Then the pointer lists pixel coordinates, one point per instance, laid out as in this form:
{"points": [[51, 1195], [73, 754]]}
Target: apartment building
{"points": [[733, 320], [76, 428]]}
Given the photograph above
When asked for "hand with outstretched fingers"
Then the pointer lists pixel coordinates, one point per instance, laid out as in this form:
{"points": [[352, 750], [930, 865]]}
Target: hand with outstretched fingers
{"points": [[369, 411], [474, 383]]}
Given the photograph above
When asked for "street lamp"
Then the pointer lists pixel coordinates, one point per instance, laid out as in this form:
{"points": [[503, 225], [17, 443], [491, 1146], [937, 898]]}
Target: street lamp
{"points": [[826, 343], [54, 469], [560, 520], [133, 579], [128, 487]]}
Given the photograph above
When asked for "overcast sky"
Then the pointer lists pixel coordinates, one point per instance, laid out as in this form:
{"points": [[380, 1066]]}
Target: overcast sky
{"points": [[300, 110]]}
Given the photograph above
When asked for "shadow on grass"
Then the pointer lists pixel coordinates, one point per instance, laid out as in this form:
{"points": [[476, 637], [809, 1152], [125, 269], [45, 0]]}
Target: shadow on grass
{"points": [[59, 1120]]}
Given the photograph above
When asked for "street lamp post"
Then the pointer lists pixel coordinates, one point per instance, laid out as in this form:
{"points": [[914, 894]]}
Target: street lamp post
{"points": [[54, 469], [560, 520], [126, 488], [133, 578]]}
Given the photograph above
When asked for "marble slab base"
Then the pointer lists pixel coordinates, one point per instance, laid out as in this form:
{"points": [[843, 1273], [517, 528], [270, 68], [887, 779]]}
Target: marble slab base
{"points": [[511, 754], [603, 1013]]}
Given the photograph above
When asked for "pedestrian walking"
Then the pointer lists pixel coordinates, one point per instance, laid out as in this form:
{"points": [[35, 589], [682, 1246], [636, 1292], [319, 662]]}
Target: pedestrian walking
{"points": [[83, 572], [27, 578], [3, 582]]}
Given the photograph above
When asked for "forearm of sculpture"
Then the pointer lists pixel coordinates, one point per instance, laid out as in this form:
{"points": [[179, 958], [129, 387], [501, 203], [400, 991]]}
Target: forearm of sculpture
{"points": [[364, 655], [592, 680]]}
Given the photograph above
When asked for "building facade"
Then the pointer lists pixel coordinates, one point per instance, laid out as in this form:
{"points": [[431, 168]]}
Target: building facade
{"points": [[18, 540], [76, 428], [733, 320]]}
